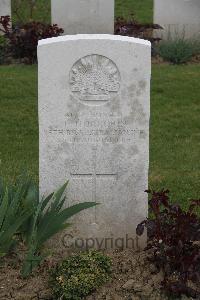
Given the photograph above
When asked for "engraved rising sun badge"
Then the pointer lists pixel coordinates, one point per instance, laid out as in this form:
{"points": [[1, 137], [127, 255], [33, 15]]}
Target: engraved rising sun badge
{"points": [[94, 78]]}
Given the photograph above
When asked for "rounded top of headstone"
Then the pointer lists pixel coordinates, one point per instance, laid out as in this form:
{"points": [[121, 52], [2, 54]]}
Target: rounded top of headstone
{"points": [[68, 38]]}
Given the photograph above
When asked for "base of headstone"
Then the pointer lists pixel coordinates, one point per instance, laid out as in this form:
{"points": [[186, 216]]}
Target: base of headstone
{"points": [[175, 32]]}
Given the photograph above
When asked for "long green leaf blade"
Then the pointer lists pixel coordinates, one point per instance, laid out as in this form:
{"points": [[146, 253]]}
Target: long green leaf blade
{"points": [[75, 209], [6, 237], [3, 208], [52, 230], [57, 196], [56, 220]]}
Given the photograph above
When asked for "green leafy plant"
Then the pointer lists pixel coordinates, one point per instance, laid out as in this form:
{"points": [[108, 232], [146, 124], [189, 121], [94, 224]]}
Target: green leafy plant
{"points": [[12, 212], [80, 274], [48, 218], [179, 50]]}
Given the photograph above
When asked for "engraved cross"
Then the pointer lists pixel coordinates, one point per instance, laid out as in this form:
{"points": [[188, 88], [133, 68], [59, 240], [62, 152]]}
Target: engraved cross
{"points": [[94, 175]]}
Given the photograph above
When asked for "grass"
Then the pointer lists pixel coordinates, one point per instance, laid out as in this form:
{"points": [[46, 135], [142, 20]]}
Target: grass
{"points": [[18, 119], [174, 134], [41, 12], [142, 10], [175, 131]]}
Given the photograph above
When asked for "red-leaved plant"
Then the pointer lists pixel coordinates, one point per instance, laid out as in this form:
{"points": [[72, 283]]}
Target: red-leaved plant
{"points": [[23, 39], [174, 236], [5, 23], [139, 30]]}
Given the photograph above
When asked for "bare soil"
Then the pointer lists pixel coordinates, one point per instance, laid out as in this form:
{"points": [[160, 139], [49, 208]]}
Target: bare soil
{"points": [[133, 278]]}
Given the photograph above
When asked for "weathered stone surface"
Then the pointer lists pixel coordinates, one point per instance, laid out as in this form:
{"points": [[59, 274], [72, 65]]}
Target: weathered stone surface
{"points": [[179, 18], [5, 8], [94, 93], [83, 16]]}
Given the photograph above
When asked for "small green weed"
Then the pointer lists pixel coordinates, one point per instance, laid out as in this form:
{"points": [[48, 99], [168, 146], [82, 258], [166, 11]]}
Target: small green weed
{"points": [[79, 275]]}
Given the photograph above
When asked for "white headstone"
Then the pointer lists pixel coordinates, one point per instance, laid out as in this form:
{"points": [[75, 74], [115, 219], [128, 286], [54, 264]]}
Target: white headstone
{"points": [[83, 16], [5, 8], [179, 18], [94, 107]]}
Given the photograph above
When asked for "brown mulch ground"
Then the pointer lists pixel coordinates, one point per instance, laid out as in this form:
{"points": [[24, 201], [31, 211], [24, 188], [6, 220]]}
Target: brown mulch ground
{"points": [[133, 278]]}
